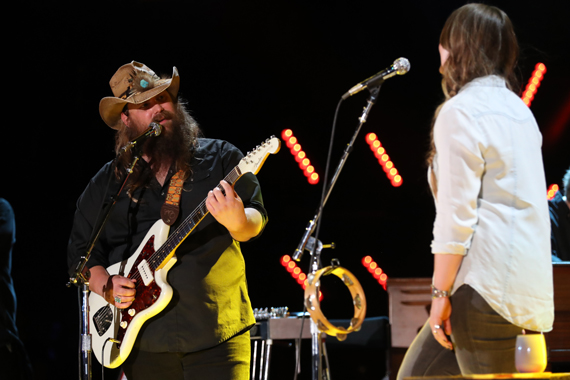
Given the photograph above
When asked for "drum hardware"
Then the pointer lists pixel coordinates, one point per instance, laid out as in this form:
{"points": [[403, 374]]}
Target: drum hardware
{"points": [[313, 304], [319, 323]]}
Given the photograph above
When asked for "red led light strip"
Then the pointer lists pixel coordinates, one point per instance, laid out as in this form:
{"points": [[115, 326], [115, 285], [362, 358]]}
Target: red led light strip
{"points": [[533, 83], [296, 272], [300, 156], [384, 160], [375, 270], [552, 190]]}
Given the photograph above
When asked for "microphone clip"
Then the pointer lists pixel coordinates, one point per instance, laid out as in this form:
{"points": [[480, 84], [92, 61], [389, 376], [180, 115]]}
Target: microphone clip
{"points": [[154, 129]]}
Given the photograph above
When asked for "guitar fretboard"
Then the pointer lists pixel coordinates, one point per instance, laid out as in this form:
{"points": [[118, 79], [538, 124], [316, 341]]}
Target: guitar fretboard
{"points": [[188, 225]]}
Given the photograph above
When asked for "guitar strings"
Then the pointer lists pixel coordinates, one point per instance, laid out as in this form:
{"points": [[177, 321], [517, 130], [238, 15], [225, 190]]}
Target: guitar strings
{"points": [[196, 216]]}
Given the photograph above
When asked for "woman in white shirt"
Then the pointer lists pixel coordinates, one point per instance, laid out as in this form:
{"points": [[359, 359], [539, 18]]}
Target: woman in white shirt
{"points": [[492, 266]]}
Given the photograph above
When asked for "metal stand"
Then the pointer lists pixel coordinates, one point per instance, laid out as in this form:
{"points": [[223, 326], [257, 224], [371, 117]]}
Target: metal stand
{"points": [[270, 328], [263, 360], [80, 279], [315, 248]]}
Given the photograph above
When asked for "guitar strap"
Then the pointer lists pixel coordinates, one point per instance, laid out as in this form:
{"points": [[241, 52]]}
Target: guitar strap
{"points": [[171, 207]]}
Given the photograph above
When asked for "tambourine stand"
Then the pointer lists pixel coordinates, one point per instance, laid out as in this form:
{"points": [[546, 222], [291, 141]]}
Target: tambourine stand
{"points": [[316, 249], [318, 350], [80, 279]]}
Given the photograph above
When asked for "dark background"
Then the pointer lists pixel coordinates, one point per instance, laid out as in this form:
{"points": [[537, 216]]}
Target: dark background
{"points": [[249, 69]]}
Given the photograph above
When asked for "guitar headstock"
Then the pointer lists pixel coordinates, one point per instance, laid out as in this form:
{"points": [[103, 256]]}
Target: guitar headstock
{"points": [[253, 161]]}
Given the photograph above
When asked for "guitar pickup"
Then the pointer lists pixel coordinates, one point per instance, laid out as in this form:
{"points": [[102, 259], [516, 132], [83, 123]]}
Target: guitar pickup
{"points": [[145, 272]]}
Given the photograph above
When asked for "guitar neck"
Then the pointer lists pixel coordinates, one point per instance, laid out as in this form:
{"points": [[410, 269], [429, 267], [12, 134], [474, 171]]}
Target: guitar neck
{"points": [[188, 225]]}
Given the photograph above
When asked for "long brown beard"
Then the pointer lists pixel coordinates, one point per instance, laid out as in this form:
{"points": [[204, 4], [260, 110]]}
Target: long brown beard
{"points": [[172, 148], [163, 150]]}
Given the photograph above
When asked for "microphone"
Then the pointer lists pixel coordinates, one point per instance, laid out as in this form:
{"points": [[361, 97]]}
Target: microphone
{"points": [[154, 129], [400, 66]]}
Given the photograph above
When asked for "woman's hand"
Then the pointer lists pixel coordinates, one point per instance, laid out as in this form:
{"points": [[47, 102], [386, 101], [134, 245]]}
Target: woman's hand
{"points": [[439, 321]]}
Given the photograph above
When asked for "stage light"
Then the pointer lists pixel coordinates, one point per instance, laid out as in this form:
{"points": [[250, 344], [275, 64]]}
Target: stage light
{"points": [[375, 270], [303, 164], [384, 159], [291, 141], [296, 273], [314, 179], [397, 181], [552, 190], [377, 273], [294, 270], [533, 83], [300, 156], [291, 266]]}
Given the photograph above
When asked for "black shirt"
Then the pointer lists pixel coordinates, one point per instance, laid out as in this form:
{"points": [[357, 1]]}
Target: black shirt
{"points": [[8, 330], [210, 302], [560, 227]]}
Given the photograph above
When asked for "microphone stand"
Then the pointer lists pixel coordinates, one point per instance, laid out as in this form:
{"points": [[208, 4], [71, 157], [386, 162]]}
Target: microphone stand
{"points": [[315, 249], [81, 277]]}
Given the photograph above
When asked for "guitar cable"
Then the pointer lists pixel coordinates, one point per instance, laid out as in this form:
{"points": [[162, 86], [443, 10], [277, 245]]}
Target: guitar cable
{"points": [[103, 355]]}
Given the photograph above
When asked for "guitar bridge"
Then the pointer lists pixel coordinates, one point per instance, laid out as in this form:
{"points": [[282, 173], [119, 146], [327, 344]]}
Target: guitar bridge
{"points": [[102, 320]]}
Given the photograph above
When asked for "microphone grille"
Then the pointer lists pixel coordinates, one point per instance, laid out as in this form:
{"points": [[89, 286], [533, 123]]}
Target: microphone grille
{"points": [[157, 128], [402, 66]]}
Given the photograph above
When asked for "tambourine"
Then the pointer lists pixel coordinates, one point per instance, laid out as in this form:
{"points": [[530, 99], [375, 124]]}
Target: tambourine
{"points": [[314, 307]]}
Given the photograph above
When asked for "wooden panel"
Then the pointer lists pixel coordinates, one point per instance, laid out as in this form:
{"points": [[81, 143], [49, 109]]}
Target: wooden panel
{"points": [[409, 299], [558, 340]]}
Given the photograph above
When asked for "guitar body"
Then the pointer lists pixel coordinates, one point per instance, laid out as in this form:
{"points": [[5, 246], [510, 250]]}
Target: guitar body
{"points": [[123, 325]]}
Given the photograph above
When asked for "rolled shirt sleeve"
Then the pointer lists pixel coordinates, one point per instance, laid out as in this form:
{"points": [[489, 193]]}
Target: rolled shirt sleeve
{"points": [[460, 166]]}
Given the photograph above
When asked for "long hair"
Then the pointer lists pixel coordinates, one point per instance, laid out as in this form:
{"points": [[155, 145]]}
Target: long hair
{"points": [[180, 150], [481, 41]]}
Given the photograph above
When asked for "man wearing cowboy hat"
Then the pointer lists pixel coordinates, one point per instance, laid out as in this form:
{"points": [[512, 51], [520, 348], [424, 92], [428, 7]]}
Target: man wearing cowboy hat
{"points": [[203, 331]]}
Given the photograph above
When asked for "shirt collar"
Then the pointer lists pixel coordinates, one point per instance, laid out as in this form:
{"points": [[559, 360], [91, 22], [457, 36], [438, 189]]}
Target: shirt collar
{"points": [[487, 81]]}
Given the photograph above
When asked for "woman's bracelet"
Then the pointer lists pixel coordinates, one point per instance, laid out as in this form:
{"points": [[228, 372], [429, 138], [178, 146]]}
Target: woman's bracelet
{"points": [[436, 293]]}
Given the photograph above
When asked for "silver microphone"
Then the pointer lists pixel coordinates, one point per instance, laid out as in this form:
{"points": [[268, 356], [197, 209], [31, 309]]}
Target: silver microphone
{"points": [[400, 66], [154, 129]]}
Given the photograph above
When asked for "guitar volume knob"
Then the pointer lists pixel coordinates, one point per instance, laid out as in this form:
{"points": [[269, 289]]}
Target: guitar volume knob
{"points": [[124, 324]]}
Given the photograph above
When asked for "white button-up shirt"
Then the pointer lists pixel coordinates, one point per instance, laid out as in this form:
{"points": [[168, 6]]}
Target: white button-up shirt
{"points": [[490, 193]]}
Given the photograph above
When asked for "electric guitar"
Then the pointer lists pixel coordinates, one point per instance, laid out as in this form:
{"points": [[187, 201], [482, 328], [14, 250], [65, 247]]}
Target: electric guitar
{"points": [[114, 330]]}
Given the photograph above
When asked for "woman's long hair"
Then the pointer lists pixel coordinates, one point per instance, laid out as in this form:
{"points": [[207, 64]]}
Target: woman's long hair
{"points": [[481, 41]]}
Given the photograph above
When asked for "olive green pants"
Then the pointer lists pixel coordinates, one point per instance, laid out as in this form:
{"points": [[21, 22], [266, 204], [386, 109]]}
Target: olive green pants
{"points": [[484, 342]]}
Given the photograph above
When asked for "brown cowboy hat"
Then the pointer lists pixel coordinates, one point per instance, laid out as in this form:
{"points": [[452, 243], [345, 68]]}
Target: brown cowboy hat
{"points": [[134, 83]]}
